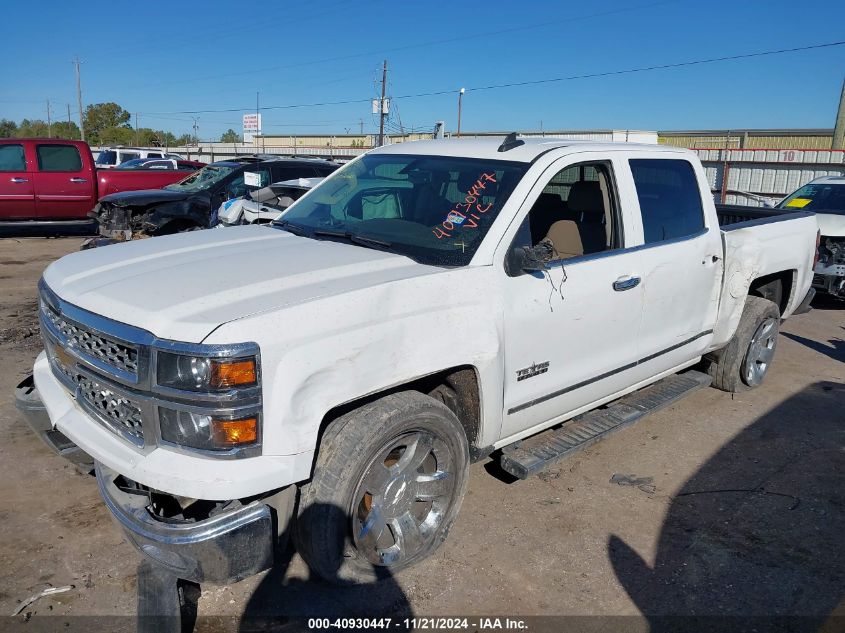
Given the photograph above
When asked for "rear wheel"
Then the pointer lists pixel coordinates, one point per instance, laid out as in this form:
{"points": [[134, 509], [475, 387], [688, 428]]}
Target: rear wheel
{"points": [[745, 361], [387, 486]]}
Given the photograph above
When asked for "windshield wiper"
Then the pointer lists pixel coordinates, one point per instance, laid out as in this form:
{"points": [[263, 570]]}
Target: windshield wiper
{"points": [[354, 238], [286, 225]]}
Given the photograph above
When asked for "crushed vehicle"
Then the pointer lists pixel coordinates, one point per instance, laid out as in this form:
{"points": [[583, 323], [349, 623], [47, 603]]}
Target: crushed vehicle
{"points": [[825, 197], [191, 203], [429, 304], [262, 206]]}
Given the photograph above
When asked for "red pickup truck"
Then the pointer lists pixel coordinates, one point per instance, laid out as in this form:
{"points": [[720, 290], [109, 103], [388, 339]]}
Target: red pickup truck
{"points": [[55, 181]]}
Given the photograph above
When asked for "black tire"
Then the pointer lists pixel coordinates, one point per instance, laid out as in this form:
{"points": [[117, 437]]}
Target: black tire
{"points": [[730, 365], [363, 449]]}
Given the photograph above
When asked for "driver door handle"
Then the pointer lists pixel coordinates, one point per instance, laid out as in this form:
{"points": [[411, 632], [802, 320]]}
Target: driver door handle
{"points": [[76, 179], [17, 179], [626, 283]]}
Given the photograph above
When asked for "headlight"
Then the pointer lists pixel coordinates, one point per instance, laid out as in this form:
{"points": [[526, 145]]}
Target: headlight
{"points": [[205, 431], [198, 373]]}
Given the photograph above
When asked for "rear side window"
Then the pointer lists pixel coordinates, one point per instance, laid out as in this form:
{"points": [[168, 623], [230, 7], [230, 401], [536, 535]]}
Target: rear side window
{"points": [[58, 158], [124, 156], [107, 157], [152, 155], [670, 201], [12, 158]]}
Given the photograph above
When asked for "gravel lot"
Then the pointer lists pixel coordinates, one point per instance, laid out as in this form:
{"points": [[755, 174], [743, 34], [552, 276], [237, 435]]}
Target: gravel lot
{"points": [[744, 514]]}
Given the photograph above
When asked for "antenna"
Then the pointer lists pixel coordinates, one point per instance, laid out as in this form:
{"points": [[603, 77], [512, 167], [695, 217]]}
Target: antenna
{"points": [[510, 142]]}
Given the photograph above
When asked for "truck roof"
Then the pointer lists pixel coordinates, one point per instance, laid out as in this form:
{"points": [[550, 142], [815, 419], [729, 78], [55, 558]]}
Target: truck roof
{"points": [[833, 180], [531, 148]]}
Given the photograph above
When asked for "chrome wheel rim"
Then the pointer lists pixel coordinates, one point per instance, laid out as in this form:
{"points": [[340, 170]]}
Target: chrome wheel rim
{"points": [[402, 498], [761, 351]]}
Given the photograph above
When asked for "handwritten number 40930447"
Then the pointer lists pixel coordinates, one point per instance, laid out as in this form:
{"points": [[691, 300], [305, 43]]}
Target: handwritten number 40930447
{"points": [[466, 213]]}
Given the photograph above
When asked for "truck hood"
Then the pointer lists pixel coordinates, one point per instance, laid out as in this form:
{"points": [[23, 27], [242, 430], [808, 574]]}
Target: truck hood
{"points": [[145, 197], [831, 224], [182, 287]]}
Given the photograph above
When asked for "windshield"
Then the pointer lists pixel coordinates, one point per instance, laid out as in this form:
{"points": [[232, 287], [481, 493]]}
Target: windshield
{"points": [[106, 157], [206, 177], [821, 197], [434, 209]]}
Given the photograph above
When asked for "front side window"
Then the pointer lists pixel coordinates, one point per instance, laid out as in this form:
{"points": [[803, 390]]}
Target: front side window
{"points": [[574, 215], [58, 158], [125, 156], [12, 158], [820, 197], [433, 209], [670, 201]]}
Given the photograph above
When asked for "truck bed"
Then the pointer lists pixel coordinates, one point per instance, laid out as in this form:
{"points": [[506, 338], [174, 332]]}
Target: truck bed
{"points": [[731, 215]]}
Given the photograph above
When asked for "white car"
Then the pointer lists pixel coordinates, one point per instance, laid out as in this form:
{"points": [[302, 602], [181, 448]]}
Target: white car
{"points": [[826, 198], [262, 206], [111, 157], [428, 304]]}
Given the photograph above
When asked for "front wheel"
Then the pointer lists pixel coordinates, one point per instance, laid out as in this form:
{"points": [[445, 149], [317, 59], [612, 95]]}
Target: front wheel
{"points": [[745, 361], [388, 483]]}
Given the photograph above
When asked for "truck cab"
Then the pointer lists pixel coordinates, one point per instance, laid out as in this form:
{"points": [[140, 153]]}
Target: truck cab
{"points": [[46, 180]]}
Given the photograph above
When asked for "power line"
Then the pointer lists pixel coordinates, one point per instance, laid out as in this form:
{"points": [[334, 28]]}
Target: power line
{"points": [[609, 73]]}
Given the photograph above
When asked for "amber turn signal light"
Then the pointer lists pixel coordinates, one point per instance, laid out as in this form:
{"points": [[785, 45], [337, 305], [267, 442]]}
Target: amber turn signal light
{"points": [[238, 373], [229, 433]]}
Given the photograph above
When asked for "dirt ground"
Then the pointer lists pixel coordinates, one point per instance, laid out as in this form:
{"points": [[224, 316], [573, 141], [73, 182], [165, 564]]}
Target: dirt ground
{"points": [[744, 513]]}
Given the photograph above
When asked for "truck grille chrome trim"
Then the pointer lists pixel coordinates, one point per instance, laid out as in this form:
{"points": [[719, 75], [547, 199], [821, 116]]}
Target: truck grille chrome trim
{"points": [[112, 352], [117, 410]]}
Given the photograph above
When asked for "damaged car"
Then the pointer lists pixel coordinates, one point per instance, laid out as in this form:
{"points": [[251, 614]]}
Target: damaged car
{"points": [[825, 197], [262, 206], [190, 204]]}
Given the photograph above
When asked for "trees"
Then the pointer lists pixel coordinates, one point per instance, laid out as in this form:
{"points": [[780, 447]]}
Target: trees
{"points": [[104, 122], [65, 129], [7, 128], [230, 136]]}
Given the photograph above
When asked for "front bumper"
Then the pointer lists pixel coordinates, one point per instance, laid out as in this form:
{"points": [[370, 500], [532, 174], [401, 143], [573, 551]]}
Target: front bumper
{"points": [[223, 548], [179, 473], [28, 402]]}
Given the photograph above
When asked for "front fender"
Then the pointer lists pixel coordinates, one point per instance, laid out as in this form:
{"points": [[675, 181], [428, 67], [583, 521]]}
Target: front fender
{"points": [[336, 350]]}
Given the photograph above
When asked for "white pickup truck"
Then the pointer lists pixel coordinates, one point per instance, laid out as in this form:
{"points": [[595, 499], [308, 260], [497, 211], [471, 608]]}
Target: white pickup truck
{"points": [[429, 304]]}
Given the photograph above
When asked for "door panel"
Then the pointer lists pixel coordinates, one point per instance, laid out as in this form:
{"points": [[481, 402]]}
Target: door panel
{"points": [[681, 263], [64, 190], [17, 197], [573, 319], [570, 330]]}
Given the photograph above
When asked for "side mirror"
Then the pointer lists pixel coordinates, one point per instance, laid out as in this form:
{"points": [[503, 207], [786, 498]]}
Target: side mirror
{"points": [[531, 259]]}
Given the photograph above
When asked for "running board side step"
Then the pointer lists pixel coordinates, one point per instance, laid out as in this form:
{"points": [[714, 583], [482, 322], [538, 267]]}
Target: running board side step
{"points": [[535, 454]]}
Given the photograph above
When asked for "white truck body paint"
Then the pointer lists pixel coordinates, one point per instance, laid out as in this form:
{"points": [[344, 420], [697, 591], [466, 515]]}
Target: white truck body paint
{"points": [[336, 322]]}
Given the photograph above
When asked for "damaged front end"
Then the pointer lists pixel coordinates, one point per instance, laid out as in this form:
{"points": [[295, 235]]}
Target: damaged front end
{"points": [[138, 215], [830, 271]]}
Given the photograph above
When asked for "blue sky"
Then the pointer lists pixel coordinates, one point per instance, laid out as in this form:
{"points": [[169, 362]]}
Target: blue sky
{"points": [[160, 60]]}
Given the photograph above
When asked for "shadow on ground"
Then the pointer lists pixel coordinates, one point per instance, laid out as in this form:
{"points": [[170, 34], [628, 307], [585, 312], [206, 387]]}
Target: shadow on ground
{"points": [[835, 347], [757, 531], [286, 604]]}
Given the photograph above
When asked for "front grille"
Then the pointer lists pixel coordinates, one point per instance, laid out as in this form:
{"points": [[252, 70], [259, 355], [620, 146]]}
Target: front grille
{"points": [[109, 351], [121, 412]]}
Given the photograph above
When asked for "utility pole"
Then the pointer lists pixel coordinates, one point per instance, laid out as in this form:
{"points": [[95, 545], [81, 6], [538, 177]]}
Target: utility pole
{"points": [[460, 103], [361, 123], [49, 122], [839, 129], [79, 98], [68, 114], [381, 105], [196, 137], [136, 129]]}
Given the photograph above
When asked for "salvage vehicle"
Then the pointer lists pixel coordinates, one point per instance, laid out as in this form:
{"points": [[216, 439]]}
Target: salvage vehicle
{"points": [[111, 157], [825, 197], [54, 182], [429, 304], [262, 206], [131, 178], [191, 203]]}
